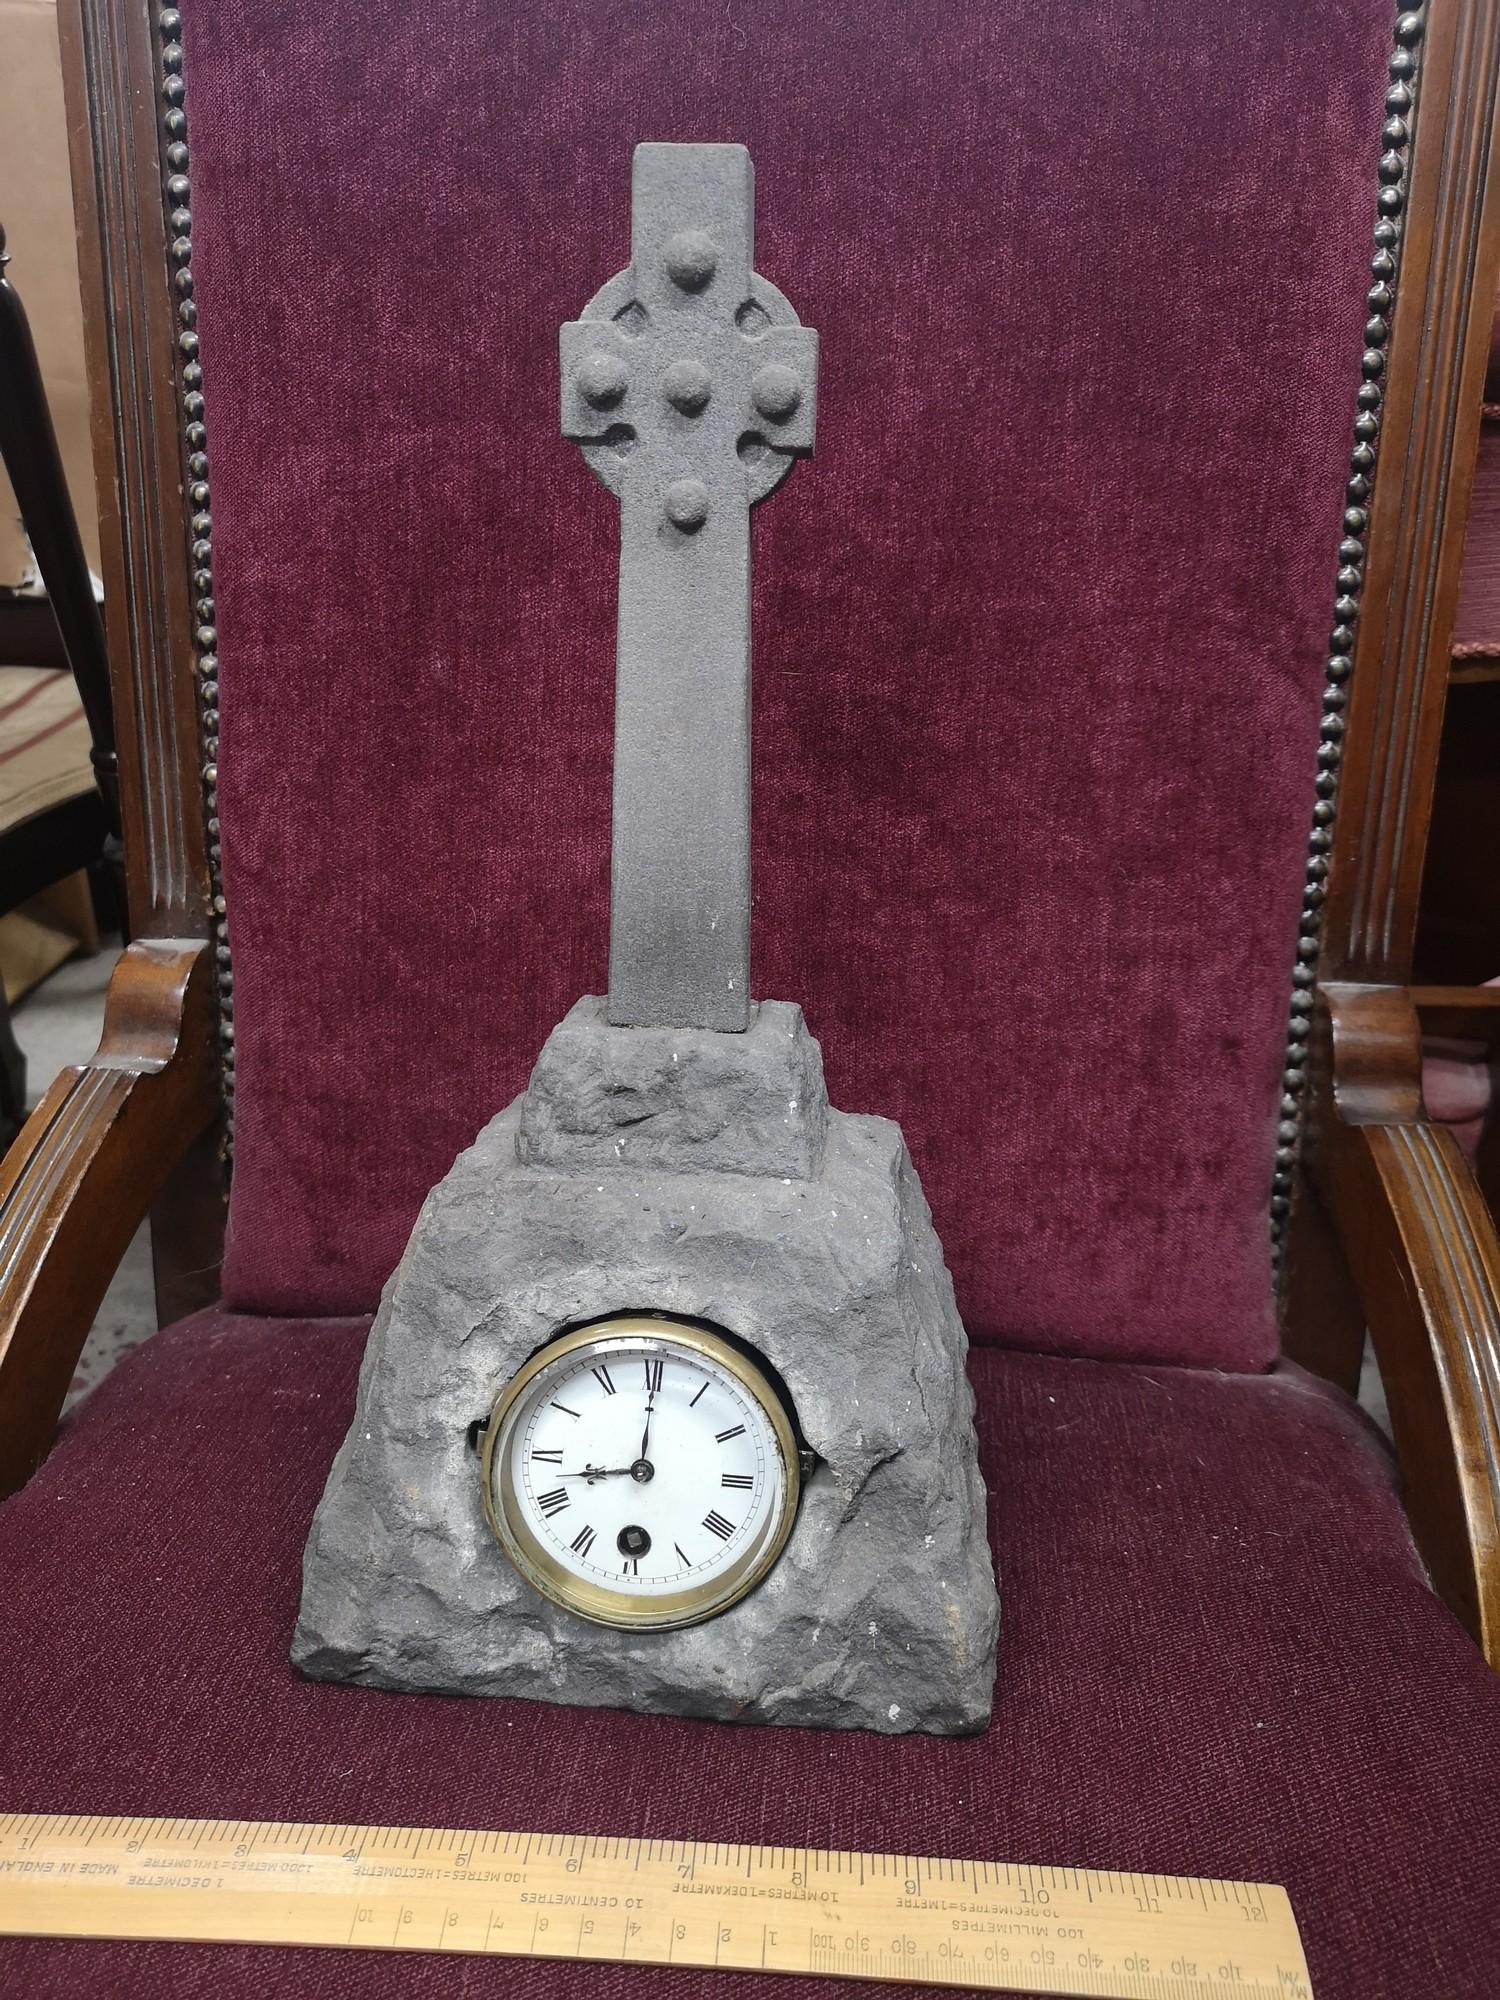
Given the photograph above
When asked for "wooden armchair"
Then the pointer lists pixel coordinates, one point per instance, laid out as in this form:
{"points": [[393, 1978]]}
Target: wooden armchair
{"points": [[1100, 673]]}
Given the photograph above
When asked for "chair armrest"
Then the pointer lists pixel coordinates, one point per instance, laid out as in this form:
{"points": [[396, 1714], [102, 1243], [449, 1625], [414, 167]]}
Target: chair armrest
{"points": [[1459, 1013], [77, 1182], [1425, 1261]]}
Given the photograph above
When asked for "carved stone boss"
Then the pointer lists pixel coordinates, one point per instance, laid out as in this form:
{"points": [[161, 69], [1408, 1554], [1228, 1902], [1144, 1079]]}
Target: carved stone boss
{"points": [[690, 386]]}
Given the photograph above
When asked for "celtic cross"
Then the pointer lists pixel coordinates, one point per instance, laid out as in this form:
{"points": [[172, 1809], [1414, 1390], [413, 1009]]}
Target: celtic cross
{"points": [[690, 385]]}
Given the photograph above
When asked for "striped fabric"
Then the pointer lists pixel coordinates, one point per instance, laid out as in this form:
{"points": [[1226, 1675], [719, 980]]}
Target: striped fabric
{"points": [[1476, 634], [44, 742]]}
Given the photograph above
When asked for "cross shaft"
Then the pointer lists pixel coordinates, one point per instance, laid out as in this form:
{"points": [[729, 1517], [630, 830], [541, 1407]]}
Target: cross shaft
{"points": [[690, 386]]}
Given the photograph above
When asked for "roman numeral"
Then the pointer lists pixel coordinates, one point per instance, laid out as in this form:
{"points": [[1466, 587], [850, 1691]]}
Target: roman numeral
{"points": [[653, 1374], [582, 1542], [548, 1457], [601, 1376], [565, 1410], [631, 1566], [740, 1479], [682, 1558], [553, 1502], [717, 1525], [700, 1392], [734, 1431]]}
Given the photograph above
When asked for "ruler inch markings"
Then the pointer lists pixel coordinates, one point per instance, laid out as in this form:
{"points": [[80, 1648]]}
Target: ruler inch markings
{"points": [[989, 1926]]}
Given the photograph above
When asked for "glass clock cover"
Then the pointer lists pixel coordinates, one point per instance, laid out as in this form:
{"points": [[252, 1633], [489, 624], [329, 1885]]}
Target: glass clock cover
{"points": [[641, 1472]]}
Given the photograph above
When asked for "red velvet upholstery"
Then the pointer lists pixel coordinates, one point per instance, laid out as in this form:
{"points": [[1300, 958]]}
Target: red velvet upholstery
{"points": [[1218, 1655], [1040, 634]]}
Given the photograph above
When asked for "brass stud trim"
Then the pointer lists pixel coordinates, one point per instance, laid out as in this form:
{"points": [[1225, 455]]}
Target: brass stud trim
{"points": [[1393, 169], [176, 198]]}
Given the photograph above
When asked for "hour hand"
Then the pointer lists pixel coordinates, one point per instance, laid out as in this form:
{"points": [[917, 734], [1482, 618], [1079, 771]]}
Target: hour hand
{"points": [[597, 1472]]}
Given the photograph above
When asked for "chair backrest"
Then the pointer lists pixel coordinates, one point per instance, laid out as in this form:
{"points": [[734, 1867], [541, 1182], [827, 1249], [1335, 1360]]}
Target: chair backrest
{"points": [[1041, 635]]}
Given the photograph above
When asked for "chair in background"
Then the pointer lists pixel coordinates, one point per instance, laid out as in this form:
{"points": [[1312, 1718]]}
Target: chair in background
{"points": [[1102, 667], [1458, 922], [59, 776]]}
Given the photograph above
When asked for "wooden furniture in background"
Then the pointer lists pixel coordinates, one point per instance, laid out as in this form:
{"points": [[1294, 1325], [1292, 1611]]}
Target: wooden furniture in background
{"points": [[28, 446], [67, 833], [1458, 921]]}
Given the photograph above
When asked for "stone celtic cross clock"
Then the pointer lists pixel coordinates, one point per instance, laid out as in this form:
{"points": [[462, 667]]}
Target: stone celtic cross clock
{"points": [[665, 1404]]}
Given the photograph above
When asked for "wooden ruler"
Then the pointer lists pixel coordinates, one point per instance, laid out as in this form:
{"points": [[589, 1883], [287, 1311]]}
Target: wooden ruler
{"points": [[979, 1924]]}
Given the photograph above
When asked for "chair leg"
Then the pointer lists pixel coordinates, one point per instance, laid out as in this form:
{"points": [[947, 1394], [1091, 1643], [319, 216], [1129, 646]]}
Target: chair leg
{"points": [[12, 1078]]}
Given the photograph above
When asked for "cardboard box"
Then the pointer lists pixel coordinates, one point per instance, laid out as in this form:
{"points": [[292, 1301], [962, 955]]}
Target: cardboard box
{"points": [[36, 207]]}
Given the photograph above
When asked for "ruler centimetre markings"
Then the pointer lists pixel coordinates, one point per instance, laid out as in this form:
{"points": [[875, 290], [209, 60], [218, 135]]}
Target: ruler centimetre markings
{"points": [[991, 1926]]}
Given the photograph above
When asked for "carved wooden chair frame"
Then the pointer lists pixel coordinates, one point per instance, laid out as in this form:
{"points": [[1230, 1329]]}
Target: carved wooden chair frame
{"points": [[1378, 1219]]}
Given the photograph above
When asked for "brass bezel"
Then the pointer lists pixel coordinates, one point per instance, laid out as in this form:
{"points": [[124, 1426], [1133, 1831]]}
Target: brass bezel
{"points": [[596, 1602]]}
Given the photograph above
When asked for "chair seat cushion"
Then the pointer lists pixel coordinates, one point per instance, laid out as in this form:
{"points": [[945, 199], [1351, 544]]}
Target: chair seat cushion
{"points": [[1219, 1656]]}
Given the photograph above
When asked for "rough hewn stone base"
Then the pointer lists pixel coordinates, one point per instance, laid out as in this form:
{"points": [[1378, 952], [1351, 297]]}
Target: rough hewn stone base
{"points": [[881, 1613], [687, 1099]]}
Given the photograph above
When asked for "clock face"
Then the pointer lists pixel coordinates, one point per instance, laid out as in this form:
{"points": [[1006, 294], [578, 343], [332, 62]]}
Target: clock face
{"points": [[642, 1472]]}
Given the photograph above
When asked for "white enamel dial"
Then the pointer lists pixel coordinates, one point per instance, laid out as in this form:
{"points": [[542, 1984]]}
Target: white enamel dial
{"points": [[641, 1472]]}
